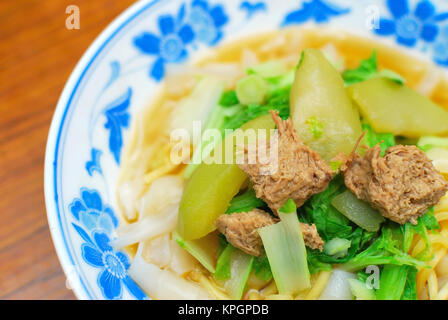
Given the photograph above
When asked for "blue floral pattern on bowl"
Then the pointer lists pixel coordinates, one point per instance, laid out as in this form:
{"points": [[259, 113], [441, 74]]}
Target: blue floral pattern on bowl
{"points": [[441, 47], [318, 10], [97, 252], [169, 45], [410, 26], [96, 223], [114, 80], [207, 21]]}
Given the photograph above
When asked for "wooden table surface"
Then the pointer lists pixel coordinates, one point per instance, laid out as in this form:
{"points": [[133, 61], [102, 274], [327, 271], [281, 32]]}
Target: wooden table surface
{"points": [[37, 55]]}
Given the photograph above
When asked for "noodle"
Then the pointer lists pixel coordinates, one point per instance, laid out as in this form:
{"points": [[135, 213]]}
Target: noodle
{"points": [[270, 289], [427, 279], [433, 286], [209, 285], [443, 293], [318, 286], [442, 216]]}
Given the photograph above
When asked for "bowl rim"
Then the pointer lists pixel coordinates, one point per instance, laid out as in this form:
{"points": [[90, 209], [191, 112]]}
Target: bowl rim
{"points": [[74, 282]]}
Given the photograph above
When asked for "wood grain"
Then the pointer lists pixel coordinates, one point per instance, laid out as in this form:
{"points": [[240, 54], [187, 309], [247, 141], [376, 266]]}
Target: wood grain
{"points": [[37, 54]]}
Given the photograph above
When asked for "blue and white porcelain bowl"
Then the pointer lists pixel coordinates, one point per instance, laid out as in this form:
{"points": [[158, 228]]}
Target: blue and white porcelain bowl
{"points": [[122, 70]]}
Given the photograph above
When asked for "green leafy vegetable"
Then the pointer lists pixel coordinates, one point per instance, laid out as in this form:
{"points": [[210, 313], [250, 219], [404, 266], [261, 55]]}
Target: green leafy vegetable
{"points": [[240, 267], [330, 223], [198, 105], [278, 100], [280, 82], [392, 75], [360, 290], [315, 264], [428, 142], [429, 220], [410, 288], [369, 69], [392, 282], [288, 207], [384, 250], [222, 244], [358, 238], [229, 99], [337, 247], [206, 145], [222, 271], [252, 89], [261, 268], [426, 222], [335, 165], [245, 202], [372, 138], [201, 249], [234, 267], [268, 70], [285, 249]]}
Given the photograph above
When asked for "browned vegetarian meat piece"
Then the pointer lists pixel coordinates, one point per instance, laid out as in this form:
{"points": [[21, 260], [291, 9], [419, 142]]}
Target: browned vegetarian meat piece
{"points": [[240, 230], [402, 185], [301, 171], [311, 236]]}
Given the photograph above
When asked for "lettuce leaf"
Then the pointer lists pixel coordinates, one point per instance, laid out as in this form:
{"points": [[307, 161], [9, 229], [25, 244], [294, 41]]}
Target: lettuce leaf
{"points": [[222, 270], [330, 223], [229, 99], [392, 282], [245, 202], [410, 288], [386, 249], [261, 268], [426, 222], [278, 100], [368, 69], [285, 248], [372, 138]]}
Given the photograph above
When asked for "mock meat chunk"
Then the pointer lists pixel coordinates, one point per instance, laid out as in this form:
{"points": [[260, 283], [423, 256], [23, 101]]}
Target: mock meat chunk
{"points": [[240, 230], [402, 185], [300, 172], [311, 236]]}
